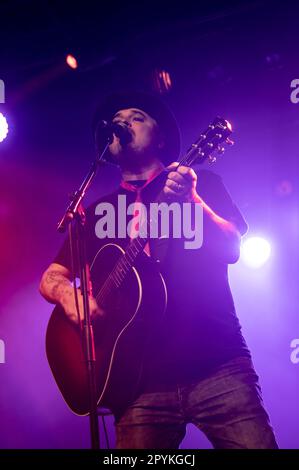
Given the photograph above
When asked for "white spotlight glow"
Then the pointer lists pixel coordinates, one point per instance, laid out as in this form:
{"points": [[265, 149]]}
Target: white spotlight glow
{"points": [[3, 127], [255, 251], [71, 61]]}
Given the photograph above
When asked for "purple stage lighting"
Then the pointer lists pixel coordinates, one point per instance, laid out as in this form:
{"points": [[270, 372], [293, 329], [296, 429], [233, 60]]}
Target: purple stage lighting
{"points": [[255, 251], [3, 127]]}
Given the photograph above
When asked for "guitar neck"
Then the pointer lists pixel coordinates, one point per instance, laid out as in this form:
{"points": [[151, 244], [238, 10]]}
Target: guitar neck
{"points": [[200, 151]]}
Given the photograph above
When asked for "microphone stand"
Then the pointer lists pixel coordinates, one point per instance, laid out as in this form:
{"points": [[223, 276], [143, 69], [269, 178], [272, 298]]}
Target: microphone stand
{"points": [[75, 212]]}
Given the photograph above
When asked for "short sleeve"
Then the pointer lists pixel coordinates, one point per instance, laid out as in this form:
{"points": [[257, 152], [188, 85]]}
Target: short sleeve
{"points": [[63, 256], [212, 190]]}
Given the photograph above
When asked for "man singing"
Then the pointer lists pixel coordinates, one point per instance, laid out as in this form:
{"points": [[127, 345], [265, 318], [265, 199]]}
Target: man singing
{"points": [[197, 367]]}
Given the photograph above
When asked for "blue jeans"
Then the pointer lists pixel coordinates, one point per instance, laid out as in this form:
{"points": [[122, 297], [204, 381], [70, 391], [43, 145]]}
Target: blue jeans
{"points": [[227, 406]]}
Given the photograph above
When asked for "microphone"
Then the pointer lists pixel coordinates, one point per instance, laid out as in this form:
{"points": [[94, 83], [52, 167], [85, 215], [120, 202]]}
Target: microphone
{"points": [[105, 130]]}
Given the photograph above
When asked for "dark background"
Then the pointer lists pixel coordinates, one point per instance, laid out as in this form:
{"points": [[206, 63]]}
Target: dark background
{"points": [[236, 59]]}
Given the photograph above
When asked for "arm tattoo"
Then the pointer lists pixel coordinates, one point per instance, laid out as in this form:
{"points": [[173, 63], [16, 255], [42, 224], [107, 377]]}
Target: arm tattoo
{"points": [[58, 285]]}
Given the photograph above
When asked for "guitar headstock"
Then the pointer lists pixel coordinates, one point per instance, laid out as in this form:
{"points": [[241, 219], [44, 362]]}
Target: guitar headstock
{"points": [[210, 143]]}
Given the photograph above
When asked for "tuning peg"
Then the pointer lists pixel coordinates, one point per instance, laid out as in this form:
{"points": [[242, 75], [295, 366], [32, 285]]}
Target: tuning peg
{"points": [[212, 159], [228, 141]]}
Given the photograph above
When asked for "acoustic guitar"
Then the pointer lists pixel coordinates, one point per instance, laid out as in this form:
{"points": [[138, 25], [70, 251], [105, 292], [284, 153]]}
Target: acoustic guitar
{"points": [[127, 284]]}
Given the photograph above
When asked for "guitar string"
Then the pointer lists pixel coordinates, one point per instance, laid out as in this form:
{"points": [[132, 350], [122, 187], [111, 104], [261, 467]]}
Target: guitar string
{"points": [[120, 269], [112, 280]]}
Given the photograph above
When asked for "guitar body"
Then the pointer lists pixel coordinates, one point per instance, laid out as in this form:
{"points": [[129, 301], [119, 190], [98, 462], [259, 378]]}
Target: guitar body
{"points": [[132, 311]]}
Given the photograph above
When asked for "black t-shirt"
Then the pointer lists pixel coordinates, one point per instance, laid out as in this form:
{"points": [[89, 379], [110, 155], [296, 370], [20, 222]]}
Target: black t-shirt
{"points": [[200, 329]]}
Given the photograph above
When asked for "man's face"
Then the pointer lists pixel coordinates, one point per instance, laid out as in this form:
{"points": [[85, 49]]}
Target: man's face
{"points": [[145, 136]]}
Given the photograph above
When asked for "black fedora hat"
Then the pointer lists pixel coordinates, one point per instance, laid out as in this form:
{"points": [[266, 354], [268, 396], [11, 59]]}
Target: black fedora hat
{"points": [[152, 105]]}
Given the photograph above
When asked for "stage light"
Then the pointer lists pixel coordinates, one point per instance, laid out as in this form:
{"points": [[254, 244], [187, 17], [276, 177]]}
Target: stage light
{"points": [[3, 127], [71, 61], [161, 80], [255, 251]]}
